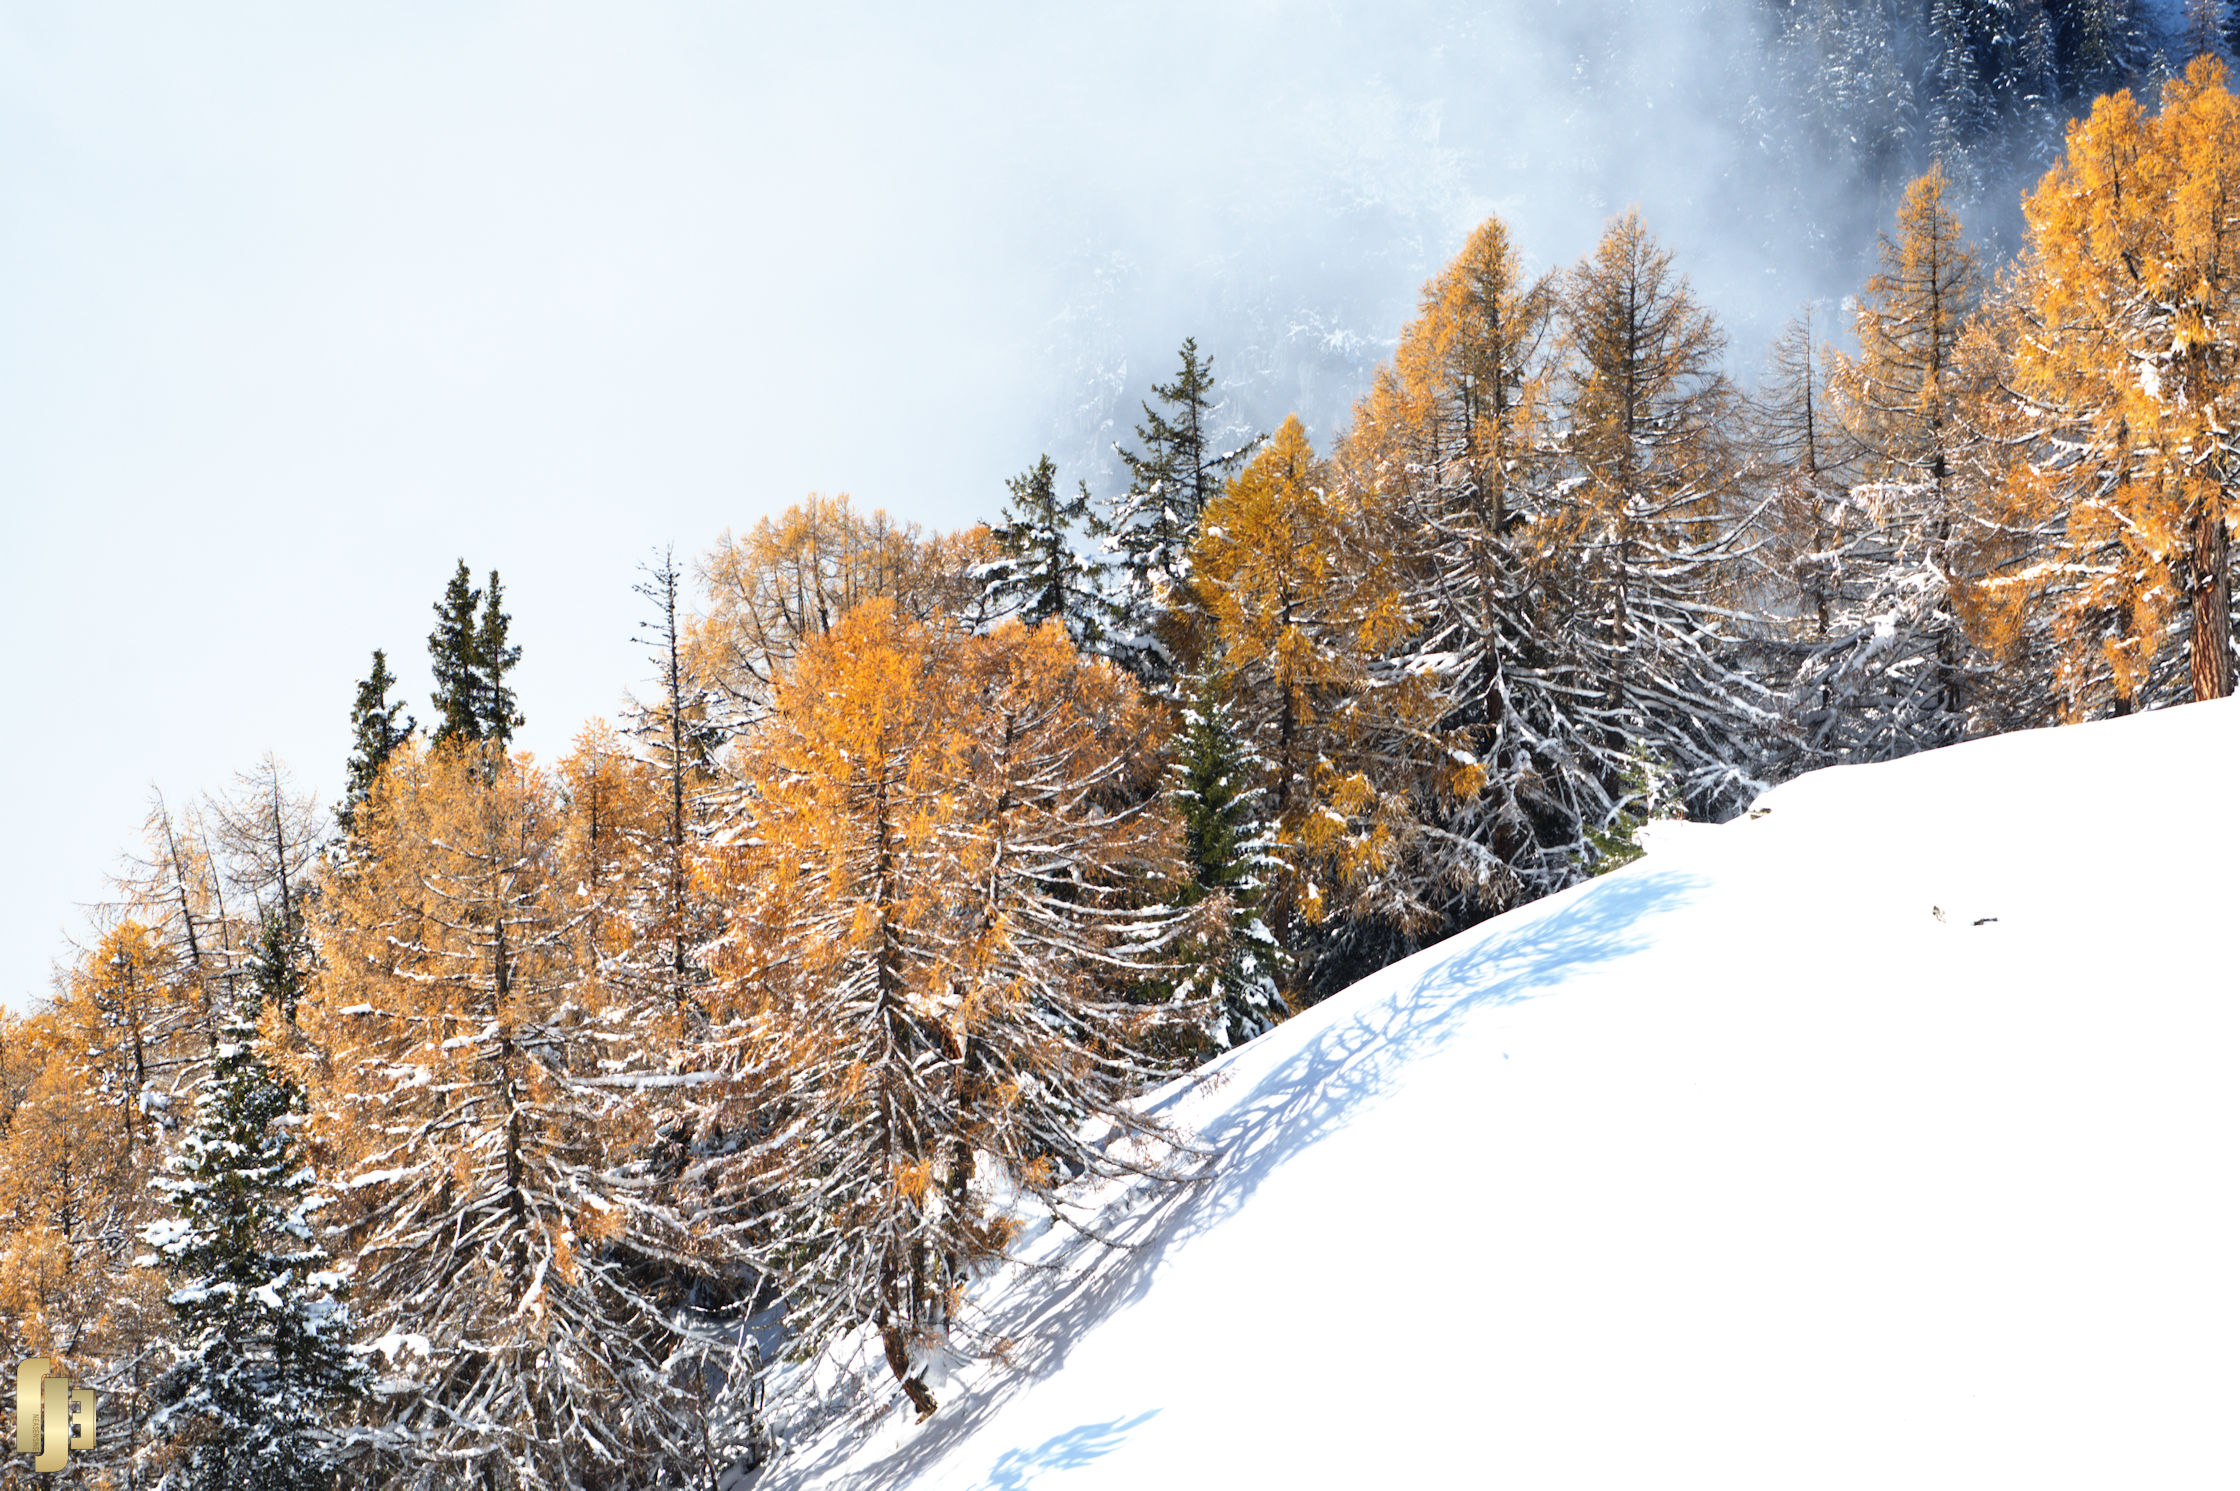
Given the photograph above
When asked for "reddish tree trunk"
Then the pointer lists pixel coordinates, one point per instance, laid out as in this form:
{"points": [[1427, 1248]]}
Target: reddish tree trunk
{"points": [[2211, 650], [898, 1361]]}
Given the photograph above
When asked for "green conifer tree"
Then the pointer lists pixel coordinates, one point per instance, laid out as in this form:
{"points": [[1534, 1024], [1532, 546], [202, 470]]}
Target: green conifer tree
{"points": [[1171, 479], [1040, 576], [1236, 967], [451, 659], [1649, 797], [378, 725], [470, 658], [262, 1361], [493, 660]]}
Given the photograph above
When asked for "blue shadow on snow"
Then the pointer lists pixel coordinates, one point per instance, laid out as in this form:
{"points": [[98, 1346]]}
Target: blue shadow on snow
{"points": [[1403, 1013], [1068, 1451]]}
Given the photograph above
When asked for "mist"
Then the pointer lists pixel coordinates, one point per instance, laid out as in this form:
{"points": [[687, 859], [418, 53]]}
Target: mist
{"points": [[302, 307]]}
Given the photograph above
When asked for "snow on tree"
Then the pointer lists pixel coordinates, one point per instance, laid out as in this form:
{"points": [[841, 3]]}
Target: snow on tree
{"points": [[683, 1077], [1181, 468], [268, 835], [488, 1107], [1845, 584], [792, 577], [1649, 798], [679, 745], [261, 1367], [175, 886], [933, 926], [1880, 90], [1803, 464], [139, 1026], [1648, 529], [2206, 31], [2105, 45], [1232, 964], [91, 1086], [1450, 460], [1307, 606], [614, 850], [1038, 575], [1909, 399], [2127, 360]]}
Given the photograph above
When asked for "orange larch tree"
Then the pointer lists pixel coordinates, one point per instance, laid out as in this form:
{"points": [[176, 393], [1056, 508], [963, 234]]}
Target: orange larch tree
{"points": [[793, 577], [2129, 352], [481, 1112], [1450, 460], [1648, 542], [930, 946], [1310, 609], [1897, 669]]}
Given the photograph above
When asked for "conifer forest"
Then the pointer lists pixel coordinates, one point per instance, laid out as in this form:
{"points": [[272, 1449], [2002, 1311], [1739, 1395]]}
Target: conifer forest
{"points": [[523, 1124]]}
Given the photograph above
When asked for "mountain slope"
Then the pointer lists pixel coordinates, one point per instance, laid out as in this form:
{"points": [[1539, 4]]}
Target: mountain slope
{"points": [[1883, 1138]]}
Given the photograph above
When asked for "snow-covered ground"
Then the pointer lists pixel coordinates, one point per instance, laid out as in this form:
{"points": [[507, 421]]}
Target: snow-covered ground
{"points": [[1884, 1138]]}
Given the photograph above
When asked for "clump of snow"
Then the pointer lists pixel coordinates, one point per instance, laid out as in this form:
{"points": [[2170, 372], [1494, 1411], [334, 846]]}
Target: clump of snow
{"points": [[389, 1345], [1883, 1137]]}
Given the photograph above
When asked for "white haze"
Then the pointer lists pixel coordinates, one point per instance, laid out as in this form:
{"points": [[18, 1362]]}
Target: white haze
{"points": [[303, 304]]}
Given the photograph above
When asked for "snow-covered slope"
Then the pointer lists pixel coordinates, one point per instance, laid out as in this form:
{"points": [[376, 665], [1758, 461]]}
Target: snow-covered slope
{"points": [[1884, 1138]]}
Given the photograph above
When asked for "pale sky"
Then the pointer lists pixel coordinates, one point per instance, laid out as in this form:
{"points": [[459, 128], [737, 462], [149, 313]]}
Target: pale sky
{"points": [[299, 305]]}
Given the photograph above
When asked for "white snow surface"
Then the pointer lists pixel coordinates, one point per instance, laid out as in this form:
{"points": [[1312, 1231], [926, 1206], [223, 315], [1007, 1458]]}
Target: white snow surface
{"points": [[1740, 1167]]}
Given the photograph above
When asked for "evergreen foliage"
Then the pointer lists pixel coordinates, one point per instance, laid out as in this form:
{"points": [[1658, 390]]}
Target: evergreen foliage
{"points": [[1175, 475], [1648, 798], [1881, 90], [493, 660], [1040, 576], [451, 660], [262, 1369], [469, 656], [1234, 968], [378, 725]]}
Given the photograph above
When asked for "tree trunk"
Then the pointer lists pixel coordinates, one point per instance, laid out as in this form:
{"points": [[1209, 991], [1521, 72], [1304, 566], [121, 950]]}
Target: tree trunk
{"points": [[897, 1034], [2211, 650], [898, 1362], [667, 579]]}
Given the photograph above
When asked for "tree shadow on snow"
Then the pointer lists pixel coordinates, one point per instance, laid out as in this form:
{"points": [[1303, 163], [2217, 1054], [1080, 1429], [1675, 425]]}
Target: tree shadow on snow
{"points": [[1410, 1010], [1397, 1016], [1017, 1470]]}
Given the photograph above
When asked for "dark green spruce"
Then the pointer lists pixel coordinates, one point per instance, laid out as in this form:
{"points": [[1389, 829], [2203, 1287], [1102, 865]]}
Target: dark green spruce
{"points": [[1177, 471], [1041, 576], [1234, 964], [494, 659], [378, 725], [469, 657], [261, 1367]]}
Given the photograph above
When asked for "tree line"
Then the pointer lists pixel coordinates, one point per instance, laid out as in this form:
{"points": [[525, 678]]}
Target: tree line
{"points": [[483, 1133]]}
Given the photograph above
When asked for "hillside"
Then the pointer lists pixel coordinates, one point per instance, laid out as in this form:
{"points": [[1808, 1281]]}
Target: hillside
{"points": [[1882, 1137]]}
